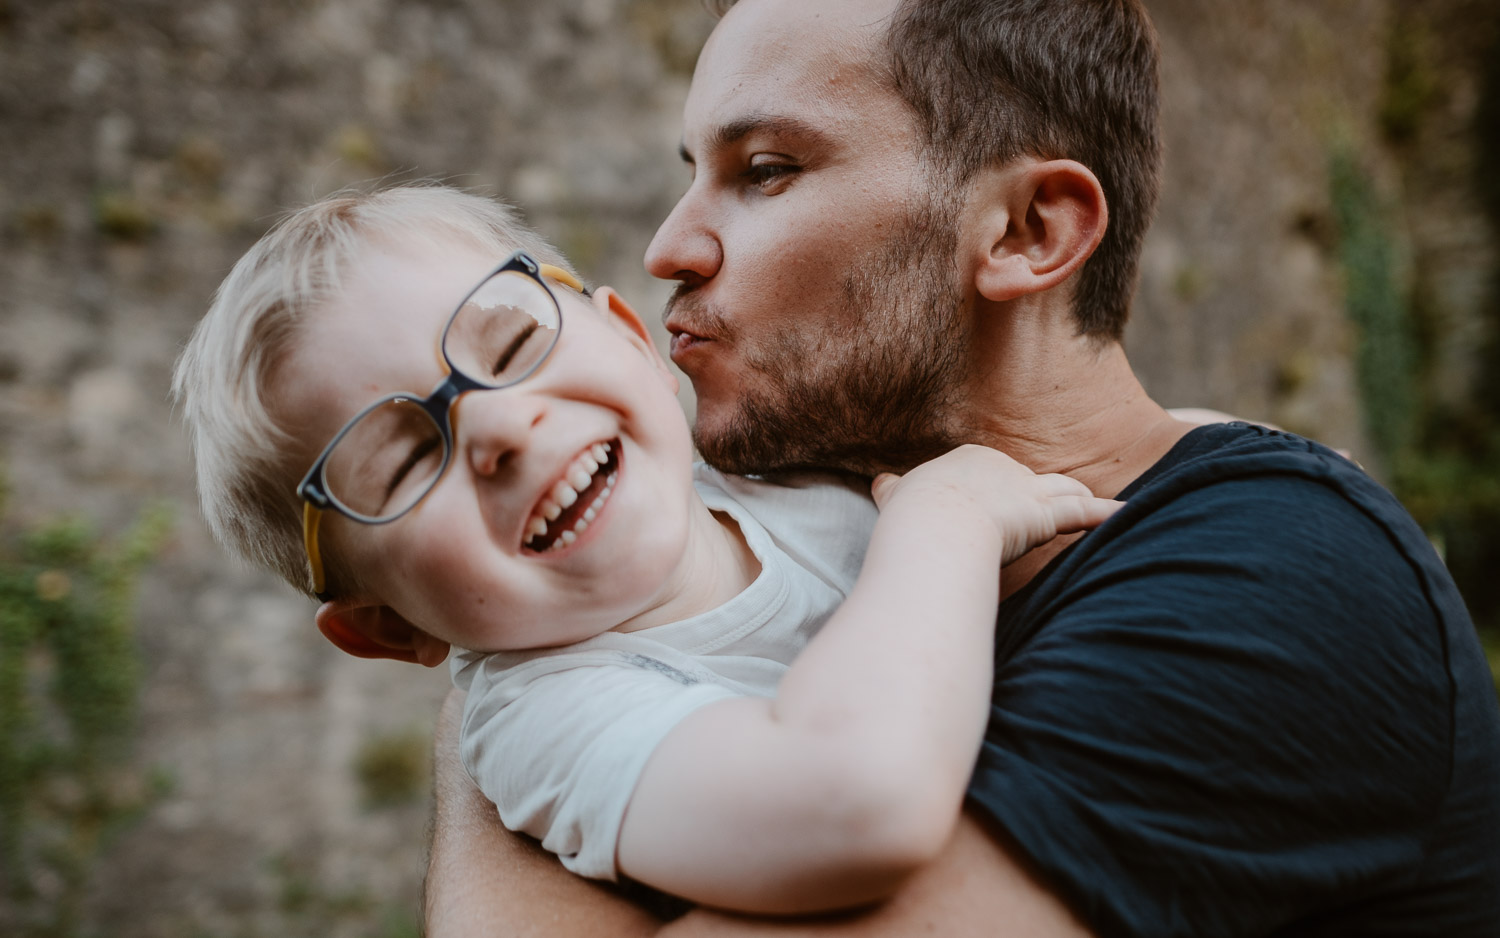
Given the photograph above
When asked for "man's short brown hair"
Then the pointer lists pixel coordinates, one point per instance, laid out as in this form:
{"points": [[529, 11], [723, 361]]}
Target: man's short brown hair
{"points": [[993, 80]]}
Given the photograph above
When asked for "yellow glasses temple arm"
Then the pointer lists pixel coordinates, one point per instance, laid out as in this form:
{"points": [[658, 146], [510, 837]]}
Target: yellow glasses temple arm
{"points": [[561, 276], [311, 517]]}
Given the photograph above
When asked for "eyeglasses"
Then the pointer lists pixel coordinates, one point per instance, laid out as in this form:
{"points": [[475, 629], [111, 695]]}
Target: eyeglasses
{"points": [[391, 454]]}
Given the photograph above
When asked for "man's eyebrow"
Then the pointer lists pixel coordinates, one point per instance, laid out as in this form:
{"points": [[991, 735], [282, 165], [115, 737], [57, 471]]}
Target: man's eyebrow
{"points": [[726, 135]]}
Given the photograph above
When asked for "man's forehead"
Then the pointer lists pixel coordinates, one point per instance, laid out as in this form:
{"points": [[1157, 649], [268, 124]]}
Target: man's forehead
{"points": [[813, 60]]}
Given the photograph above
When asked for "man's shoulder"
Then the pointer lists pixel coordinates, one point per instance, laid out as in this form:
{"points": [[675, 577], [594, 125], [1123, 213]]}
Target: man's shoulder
{"points": [[1273, 550], [1264, 641], [1246, 531], [1255, 491], [1242, 451]]}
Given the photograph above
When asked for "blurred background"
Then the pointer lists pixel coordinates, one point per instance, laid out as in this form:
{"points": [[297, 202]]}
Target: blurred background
{"points": [[182, 754]]}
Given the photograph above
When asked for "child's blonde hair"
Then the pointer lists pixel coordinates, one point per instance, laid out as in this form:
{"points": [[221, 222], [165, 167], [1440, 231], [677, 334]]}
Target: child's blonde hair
{"points": [[245, 480]]}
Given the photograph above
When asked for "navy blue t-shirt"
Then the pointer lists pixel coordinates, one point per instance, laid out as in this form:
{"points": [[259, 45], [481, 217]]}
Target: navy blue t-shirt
{"points": [[1252, 703]]}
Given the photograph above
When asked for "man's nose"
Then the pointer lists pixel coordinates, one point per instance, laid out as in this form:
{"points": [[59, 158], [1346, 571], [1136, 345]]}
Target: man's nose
{"points": [[490, 428], [686, 246]]}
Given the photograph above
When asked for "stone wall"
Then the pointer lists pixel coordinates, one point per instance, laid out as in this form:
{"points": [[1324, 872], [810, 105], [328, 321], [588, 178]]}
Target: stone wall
{"points": [[145, 145]]}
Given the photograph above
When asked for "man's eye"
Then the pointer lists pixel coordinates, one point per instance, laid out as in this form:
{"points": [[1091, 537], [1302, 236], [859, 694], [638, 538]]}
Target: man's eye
{"points": [[768, 175]]}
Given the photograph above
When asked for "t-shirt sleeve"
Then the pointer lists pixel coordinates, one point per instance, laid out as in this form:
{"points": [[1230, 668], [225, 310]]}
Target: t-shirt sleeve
{"points": [[1235, 708], [559, 742]]}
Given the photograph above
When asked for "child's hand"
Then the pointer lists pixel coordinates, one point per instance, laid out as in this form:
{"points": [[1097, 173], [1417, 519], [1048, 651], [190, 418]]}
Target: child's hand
{"points": [[978, 482]]}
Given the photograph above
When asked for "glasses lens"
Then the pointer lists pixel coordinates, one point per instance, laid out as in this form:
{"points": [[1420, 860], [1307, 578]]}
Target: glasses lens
{"points": [[387, 460], [503, 331]]}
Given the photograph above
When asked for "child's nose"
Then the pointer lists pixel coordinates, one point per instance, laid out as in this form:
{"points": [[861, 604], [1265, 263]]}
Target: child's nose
{"points": [[490, 427]]}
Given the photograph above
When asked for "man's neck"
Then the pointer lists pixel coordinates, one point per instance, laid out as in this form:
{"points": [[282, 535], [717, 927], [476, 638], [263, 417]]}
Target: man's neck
{"points": [[1060, 402], [1068, 404]]}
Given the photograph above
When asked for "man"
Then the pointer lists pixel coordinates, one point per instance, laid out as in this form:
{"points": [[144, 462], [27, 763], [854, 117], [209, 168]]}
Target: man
{"points": [[1253, 704]]}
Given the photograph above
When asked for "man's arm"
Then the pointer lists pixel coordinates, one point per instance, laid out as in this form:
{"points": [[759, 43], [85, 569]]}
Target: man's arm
{"points": [[975, 889], [484, 880]]}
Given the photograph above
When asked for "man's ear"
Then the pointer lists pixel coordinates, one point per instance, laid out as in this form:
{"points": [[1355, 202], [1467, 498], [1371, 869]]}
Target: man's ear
{"points": [[1041, 221], [628, 322], [368, 630]]}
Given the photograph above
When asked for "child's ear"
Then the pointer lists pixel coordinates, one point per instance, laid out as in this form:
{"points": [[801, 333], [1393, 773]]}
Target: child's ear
{"points": [[624, 318], [368, 630]]}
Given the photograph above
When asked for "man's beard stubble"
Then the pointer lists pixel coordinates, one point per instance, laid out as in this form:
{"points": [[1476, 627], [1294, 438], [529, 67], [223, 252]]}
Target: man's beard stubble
{"points": [[876, 397]]}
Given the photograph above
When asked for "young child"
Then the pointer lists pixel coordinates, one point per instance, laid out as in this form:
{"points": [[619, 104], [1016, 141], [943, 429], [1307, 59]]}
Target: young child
{"points": [[673, 675]]}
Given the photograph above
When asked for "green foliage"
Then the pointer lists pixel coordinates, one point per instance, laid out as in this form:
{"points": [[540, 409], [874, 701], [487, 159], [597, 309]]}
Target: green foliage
{"points": [[1410, 84], [357, 146], [393, 770], [1492, 651], [1481, 528], [1191, 283], [311, 908], [1377, 306], [1441, 462], [69, 674], [123, 217]]}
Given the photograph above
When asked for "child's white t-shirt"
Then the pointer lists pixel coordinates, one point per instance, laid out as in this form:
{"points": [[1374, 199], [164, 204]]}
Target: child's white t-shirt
{"points": [[557, 738]]}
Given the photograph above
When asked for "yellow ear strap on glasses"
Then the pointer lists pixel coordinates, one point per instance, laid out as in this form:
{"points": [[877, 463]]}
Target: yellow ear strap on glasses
{"points": [[561, 276], [311, 517]]}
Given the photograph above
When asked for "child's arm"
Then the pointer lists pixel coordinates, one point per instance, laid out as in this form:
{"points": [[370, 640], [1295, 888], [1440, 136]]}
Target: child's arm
{"points": [[853, 775]]}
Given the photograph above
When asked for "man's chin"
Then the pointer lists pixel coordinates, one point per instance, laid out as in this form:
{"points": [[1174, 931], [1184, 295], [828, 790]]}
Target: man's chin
{"points": [[748, 444], [723, 443]]}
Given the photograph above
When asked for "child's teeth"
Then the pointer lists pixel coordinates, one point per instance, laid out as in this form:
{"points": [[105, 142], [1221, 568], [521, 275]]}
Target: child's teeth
{"points": [[598, 503], [564, 494]]}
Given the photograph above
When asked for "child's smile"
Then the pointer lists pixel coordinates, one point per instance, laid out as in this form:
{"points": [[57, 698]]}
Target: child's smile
{"points": [[574, 501]]}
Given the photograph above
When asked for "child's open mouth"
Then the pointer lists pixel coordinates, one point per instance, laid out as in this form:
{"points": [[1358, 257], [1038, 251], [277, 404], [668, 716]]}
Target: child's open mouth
{"points": [[565, 512]]}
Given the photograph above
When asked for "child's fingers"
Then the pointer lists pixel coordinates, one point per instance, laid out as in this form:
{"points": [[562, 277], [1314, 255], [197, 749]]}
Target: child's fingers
{"points": [[1081, 512], [1056, 484], [881, 486]]}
